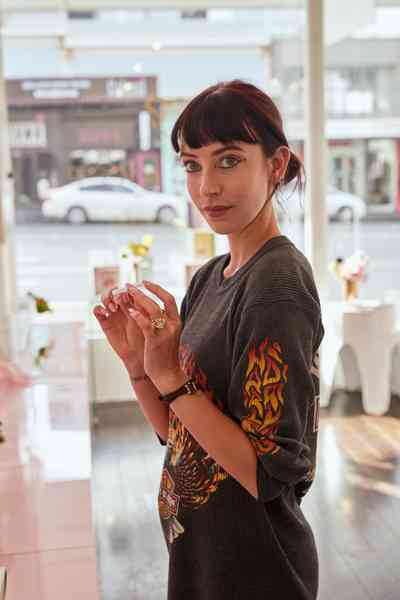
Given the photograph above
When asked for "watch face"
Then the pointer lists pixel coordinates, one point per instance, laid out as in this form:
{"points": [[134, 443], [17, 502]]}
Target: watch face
{"points": [[191, 387]]}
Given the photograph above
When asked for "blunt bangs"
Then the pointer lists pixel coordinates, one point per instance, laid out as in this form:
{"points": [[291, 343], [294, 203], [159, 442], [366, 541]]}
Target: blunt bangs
{"points": [[218, 117]]}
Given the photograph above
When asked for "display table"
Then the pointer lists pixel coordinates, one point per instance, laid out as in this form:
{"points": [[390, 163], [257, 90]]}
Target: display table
{"points": [[368, 329], [359, 350], [63, 329]]}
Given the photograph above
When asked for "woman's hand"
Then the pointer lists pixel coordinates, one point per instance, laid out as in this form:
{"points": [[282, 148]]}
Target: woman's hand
{"points": [[122, 332], [161, 346]]}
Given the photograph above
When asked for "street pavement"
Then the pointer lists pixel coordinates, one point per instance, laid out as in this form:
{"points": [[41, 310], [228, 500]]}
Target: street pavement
{"points": [[54, 260]]}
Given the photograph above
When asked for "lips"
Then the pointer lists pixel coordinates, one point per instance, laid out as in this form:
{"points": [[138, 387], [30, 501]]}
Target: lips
{"points": [[216, 211]]}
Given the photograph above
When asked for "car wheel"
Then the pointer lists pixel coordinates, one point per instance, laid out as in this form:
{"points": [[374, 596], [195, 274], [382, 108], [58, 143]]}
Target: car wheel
{"points": [[77, 216], [166, 215], [345, 214]]}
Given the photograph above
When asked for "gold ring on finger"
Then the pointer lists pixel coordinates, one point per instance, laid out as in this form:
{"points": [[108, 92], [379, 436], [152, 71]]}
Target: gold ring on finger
{"points": [[159, 322]]}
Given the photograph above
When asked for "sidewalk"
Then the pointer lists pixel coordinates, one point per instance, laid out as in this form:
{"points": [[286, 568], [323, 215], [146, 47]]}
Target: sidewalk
{"points": [[25, 215], [383, 217], [29, 215]]}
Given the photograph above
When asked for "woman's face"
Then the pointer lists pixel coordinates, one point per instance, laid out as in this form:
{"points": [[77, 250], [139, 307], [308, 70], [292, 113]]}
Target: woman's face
{"points": [[229, 183]]}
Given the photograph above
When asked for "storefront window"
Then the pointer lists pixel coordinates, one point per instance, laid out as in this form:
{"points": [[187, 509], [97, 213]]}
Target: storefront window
{"points": [[381, 172], [343, 161], [97, 163]]}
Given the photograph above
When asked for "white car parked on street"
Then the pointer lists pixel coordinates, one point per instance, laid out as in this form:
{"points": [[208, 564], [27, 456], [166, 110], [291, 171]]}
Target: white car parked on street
{"points": [[110, 199], [341, 206]]}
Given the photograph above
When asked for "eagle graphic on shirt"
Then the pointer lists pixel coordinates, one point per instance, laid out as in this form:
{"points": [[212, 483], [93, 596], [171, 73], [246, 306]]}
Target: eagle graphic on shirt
{"points": [[190, 476]]}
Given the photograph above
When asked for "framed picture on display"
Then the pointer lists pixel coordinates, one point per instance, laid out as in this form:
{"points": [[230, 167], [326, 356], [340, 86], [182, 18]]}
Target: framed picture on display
{"points": [[105, 278], [204, 244]]}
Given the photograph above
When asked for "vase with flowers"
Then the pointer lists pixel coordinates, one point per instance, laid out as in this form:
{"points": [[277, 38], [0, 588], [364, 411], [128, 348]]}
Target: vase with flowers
{"points": [[139, 254], [351, 271]]}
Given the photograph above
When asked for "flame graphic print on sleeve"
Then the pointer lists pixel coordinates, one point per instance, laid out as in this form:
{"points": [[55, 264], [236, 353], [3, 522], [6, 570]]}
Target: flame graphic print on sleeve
{"points": [[263, 395], [276, 402]]}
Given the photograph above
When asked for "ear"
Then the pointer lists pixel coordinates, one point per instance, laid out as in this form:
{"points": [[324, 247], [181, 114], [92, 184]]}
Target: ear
{"points": [[279, 163]]}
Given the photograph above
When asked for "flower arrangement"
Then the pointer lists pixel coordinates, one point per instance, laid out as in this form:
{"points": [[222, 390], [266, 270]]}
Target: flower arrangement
{"points": [[142, 260], [41, 304], [43, 353], [138, 249], [351, 271]]}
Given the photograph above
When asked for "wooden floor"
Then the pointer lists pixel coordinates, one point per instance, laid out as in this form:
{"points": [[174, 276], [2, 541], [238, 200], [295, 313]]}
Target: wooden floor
{"points": [[354, 505]]}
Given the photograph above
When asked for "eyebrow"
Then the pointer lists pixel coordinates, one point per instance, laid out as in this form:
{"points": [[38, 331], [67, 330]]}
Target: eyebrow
{"points": [[216, 152]]}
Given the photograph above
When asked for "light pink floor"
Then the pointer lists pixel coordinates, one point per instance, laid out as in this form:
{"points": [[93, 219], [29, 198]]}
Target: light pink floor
{"points": [[47, 540]]}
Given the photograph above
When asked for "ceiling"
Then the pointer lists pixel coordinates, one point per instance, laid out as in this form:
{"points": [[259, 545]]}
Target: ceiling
{"points": [[84, 5]]}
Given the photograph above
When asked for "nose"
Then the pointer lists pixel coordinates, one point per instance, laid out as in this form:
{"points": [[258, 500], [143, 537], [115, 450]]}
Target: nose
{"points": [[209, 185]]}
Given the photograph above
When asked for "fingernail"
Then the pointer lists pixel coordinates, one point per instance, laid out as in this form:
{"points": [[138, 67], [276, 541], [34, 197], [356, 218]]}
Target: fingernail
{"points": [[133, 313], [107, 314]]}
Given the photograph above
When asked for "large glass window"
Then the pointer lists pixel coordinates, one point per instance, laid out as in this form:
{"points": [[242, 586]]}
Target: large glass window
{"points": [[114, 125]]}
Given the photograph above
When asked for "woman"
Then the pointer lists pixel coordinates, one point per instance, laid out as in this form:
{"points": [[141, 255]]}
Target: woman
{"points": [[241, 436]]}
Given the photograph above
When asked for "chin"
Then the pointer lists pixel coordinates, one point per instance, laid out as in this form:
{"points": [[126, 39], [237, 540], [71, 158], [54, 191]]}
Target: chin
{"points": [[221, 228]]}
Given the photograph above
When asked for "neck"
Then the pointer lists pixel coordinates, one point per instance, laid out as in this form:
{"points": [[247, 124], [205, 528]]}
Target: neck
{"points": [[244, 244]]}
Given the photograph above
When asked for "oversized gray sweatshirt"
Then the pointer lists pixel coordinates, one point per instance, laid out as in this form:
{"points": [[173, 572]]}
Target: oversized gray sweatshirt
{"points": [[251, 341]]}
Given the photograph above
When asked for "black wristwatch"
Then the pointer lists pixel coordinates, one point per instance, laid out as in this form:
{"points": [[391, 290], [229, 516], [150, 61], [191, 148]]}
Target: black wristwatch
{"points": [[190, 387]]}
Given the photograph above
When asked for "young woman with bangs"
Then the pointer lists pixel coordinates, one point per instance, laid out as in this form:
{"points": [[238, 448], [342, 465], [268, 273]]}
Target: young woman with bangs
{"points": [[231, 383]]}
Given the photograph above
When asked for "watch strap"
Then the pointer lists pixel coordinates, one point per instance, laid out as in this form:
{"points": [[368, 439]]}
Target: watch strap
{"points": [[190, 387]]}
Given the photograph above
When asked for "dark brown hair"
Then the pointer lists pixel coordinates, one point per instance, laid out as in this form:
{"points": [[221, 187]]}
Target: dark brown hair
{"points": [[236, 111]]}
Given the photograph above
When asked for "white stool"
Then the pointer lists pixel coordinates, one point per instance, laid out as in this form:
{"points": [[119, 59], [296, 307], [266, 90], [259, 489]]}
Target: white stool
{"points": [[369, 329]]}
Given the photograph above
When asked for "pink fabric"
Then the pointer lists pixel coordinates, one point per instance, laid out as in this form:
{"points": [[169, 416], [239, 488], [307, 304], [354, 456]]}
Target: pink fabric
{"points": [[12, 375]]}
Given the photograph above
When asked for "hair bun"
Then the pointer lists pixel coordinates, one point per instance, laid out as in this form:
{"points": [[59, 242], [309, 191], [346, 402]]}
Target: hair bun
{"points": [[295, 170]]}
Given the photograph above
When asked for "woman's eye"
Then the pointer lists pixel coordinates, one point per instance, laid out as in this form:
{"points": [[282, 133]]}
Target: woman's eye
{"points": [[190, 166], [227, 162]]}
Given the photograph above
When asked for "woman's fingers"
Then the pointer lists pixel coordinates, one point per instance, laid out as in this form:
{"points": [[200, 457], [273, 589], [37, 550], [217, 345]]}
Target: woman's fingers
{"points": [[125, 301], [143, 303], [122, 300], [100, 311], [108, 300], [101, 314], [141, 321], [167, 298]]}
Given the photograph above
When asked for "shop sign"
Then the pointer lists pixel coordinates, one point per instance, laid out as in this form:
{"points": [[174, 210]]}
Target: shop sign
{"points": [[90, 136], [72, 90], [126, 88], [55, 88]]}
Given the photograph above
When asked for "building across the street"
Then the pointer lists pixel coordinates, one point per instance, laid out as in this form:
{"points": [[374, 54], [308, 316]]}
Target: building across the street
{"points": [[362, 92], [62, 129]]}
